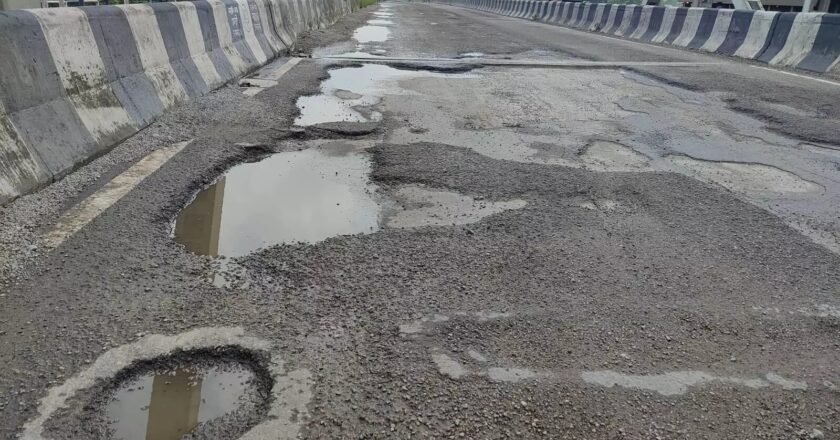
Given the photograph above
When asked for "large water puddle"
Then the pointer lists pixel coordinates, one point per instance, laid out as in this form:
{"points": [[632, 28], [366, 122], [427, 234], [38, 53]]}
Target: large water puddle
{"points": [[371, 34], [167, 404], [300, 196], [369, 83]]}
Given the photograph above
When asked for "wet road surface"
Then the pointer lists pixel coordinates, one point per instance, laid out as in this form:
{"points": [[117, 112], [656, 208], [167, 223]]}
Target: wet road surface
{"points": [[444, 224]]}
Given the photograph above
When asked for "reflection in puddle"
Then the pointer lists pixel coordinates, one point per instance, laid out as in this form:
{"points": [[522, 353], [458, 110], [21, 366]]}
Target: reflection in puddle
{"points": [[371, 81], [166, 405], [371, 34], [380, 22], [300, 196]]}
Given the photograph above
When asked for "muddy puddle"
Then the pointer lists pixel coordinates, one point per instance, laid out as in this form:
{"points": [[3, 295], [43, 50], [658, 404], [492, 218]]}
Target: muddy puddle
{"points": [[299, 196], [368, 84], [167, 404]]}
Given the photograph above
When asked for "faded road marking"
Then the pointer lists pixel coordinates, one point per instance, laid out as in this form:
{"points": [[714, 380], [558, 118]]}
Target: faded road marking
{"points": [[824, 81], [90, 208], [678, 382], [268, 77], [575, 64]]}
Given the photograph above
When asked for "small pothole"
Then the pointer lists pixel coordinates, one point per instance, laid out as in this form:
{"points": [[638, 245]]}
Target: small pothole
{"points": [[169, 402], [201, 394]]}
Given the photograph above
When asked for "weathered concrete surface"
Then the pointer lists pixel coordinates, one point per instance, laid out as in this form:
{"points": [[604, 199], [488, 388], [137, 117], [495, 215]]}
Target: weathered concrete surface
{"points": [[651, 301], [76, 81]]}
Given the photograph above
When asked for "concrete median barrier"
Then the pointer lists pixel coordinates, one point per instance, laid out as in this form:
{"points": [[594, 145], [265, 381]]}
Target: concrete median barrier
{"points": [[77, 81], [807, 41]]}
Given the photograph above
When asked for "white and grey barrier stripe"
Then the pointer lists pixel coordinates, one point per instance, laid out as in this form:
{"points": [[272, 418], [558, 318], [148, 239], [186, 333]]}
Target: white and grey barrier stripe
{"points": [[808, 41], [76, 81]]}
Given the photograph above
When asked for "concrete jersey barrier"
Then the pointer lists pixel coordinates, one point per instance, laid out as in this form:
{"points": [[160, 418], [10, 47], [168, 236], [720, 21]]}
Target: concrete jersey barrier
{"points": [[807, 41], [76, 81]]}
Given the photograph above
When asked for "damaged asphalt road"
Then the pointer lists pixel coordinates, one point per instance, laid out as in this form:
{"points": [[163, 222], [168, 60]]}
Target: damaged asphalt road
{"points": [[442, 250]]}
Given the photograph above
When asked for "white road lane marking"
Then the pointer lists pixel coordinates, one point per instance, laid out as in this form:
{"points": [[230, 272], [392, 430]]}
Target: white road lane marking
{"points": [[90, 208], [268, 77], [572, 64], [824, 81]]}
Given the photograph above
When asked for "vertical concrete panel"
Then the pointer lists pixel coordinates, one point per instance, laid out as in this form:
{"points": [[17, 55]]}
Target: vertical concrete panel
{"points": [[237, 34], [739, 27], [720, 30], [777, 37], [237, 61], [630, 19], [616, 19], [689, 28], [144, 28], [267, 19], [556, 8], [568, 11], [657, 14], [704, 29], [590, 15], [599, 16], [210, 36], [177, 49], [523, 6], [198, 50], [826, 48], [520, 8], [249, 34], [21, 170], [281, 19], [580, 14], [83, 75], [607, 17], [257, 27], [667, 22], [123, 66], [33, 96], [676, 28], [544, 11], [758, 36], [800, 39], [644, 22]]}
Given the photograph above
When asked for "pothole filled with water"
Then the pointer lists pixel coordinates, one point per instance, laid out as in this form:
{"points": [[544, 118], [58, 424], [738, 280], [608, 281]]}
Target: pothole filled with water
{"points": [[299, 196], [169, 399], [367, 83]]}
